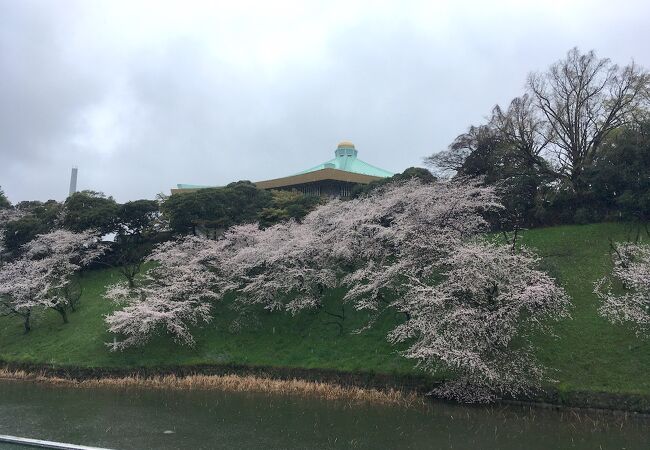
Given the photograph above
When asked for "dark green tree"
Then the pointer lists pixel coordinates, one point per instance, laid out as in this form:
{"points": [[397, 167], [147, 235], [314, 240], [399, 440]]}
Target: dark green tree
{"points": [[287, 205], [412, 172], [49, 211], [39, 218], [21, 231], [619, 178], [182, 212], [215, 209], [4, 201], [136, 224], [243, 202], [87, 210], [137, 218]]}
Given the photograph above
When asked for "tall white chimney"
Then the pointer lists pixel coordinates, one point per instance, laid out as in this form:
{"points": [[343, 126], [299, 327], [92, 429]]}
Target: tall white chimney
{"points": [[73, 181]]}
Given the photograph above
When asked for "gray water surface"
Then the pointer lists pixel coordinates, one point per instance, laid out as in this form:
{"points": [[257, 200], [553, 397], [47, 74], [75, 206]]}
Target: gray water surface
{"points": [[156, 419]]}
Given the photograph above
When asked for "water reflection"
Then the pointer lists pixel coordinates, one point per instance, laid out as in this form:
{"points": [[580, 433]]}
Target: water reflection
{"points": [[154, 419]]}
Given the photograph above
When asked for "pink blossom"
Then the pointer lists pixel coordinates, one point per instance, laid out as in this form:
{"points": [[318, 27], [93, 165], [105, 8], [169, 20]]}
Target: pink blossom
{"points": [[37, 278], [467, 321], [631, 272], [468, 304], [174, 295]]}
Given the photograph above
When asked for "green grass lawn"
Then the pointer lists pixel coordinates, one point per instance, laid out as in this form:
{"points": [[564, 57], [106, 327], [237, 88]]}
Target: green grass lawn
{"points": [[588, 353]]}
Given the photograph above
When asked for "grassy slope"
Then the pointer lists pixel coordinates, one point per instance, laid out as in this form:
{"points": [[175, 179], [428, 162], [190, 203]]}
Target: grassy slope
{"points": [[588, 354]]}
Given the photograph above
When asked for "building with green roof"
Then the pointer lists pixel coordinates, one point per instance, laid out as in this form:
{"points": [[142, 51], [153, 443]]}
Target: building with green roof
{"points": [[333, 178]]}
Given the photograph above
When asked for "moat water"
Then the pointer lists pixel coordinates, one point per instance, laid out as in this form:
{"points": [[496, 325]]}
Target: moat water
{"points": [[155, 419]]}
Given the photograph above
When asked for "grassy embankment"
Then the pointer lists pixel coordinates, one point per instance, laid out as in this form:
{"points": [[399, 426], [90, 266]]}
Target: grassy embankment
{"points": [[589, 354]]}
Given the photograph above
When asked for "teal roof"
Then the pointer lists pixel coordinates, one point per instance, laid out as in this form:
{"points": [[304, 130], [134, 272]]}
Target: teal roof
{"points": [[191, 186], [345, 158]]}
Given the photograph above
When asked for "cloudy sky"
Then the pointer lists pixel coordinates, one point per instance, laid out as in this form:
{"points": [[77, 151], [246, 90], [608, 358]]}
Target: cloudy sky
{"points": [[143, 95]]}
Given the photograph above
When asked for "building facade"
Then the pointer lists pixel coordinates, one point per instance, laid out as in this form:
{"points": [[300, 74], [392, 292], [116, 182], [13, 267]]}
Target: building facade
{"points": [[333, 178]]}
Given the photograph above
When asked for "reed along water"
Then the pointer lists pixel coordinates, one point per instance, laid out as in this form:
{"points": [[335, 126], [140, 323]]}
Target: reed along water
{"points": [[141, 418]]}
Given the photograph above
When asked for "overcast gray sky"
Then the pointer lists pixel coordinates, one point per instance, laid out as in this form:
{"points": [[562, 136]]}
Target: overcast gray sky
{"points": [[143, 95]]}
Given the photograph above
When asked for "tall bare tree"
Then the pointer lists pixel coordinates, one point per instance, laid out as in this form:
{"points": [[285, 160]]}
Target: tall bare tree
{"points": [[453, 160], [523, 128], [582, 99], [520, 131]]}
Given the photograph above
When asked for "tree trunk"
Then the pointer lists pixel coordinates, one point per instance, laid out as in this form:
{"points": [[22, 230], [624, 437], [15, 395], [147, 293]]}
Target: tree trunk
{"points": [[26, 323], [580, 187], [63, 312]]}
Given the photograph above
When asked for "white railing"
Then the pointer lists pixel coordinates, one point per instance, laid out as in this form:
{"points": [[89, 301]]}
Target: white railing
{"points": [[38, 443]]}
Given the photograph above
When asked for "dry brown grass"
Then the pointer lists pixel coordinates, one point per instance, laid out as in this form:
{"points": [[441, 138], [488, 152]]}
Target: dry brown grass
{"points": [[231, 383]]}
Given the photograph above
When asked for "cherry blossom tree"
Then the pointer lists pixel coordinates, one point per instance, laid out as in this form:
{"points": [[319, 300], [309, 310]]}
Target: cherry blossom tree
{"points": [[22, 290], [405, 229], [172, 296], [365, 244], [40, 278], [281, 267], [473, 319], [412, 247], [287, 267], [630, 302], [467, 305]]}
